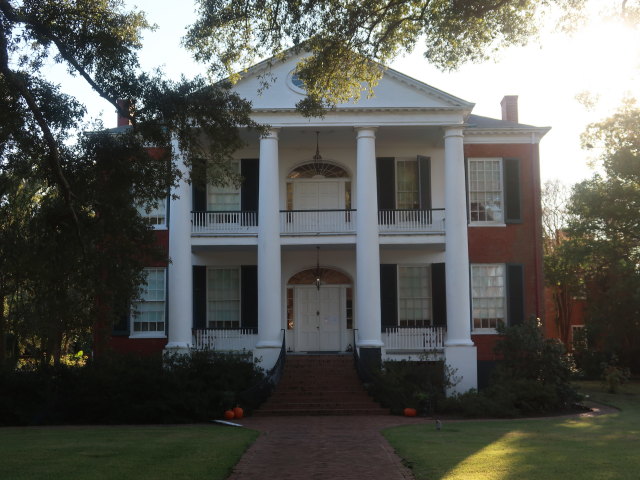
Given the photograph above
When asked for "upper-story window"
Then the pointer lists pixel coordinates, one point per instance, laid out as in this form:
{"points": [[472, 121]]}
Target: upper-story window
{"points": [[407, 184], [156, 215], [486, 197], [224, 198]]}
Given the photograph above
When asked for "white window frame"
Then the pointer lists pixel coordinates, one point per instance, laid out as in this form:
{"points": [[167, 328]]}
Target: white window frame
{"points": [[157, 217], [161, 305], [482, 301], [211, 323], [427, 297], [472, 189]]}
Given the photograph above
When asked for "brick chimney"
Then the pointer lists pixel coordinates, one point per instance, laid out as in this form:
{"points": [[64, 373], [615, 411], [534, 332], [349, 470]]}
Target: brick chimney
{"points": [[126, 106], [509, 106]]}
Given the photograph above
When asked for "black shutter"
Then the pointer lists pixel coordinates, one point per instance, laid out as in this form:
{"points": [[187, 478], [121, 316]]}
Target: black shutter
{"points": [[439, 295], [386, 179], [511, 177], [515, 294], [249, 296], [199, 296], [388, 295], [199, 185], [249, 169], [424, 182], [122, 320]]}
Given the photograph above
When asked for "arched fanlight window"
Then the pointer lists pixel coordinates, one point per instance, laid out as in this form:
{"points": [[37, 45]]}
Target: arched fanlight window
{"points": [[318, 170]]}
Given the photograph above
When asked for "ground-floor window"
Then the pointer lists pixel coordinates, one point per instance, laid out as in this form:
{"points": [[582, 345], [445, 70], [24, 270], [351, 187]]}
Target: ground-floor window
{"points": [[223, 297], [488, 286], [414, 296], [149, 313]]}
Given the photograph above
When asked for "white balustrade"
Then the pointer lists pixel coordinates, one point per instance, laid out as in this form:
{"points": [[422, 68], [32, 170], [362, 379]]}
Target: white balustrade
{"points": [[317, 221], [414, 338], [418, 221], [240, 339], [224, 222]]}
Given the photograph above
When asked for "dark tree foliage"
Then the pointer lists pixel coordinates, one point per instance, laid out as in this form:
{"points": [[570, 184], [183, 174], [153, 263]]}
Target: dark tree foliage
{"points": [[72, 244]]}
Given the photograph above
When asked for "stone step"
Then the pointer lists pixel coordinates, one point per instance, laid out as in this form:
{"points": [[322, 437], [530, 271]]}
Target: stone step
{"points": [[321, 412]]}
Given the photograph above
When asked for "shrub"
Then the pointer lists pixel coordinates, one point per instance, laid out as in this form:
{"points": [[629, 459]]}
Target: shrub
{"points": [[127, 389]]}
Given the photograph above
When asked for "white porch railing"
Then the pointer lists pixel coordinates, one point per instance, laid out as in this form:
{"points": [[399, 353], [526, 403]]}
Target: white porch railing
{"points": [[414, 338], [224, 222], [317, 221], [238, 339], [419, 221]]}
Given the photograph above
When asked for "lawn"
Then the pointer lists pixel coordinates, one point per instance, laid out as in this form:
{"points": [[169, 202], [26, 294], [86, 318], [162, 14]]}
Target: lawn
{"points": [[141, 452], [604, 447]]}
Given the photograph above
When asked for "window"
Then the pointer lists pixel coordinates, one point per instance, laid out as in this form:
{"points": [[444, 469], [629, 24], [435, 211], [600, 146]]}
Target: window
{"points": [[407, 190], [149, 313], [224, 198], [485, 190], [414, 296], [488, 288], [156, 215], [223, 297]]}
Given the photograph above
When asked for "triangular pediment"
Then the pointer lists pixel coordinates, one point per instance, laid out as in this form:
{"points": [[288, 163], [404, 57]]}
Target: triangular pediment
{"points": [[395, 90]]}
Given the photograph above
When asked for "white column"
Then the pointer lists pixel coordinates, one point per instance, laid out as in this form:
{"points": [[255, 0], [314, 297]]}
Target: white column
{"points": [[460, 351], [367, 245], [269, 266], [180, 284]]}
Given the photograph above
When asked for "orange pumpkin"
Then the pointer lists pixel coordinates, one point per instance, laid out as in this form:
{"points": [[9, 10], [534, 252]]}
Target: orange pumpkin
{"points": [[238, 413], [229, 415], [410, 412]]}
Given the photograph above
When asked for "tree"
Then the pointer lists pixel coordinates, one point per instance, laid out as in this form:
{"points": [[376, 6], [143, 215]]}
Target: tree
{"points": [[73, 245], [345, 36], [604, 213], [562, 261]]}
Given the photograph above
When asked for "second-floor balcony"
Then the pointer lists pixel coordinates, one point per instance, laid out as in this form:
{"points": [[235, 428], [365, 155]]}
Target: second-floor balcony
{"points": [[313, 222]]}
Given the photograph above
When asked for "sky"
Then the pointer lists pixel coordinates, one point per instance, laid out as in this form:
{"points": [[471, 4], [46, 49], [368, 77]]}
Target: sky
{"points": [[601, 57]]}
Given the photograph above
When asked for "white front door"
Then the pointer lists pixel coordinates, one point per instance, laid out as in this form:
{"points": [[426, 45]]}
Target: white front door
{"points": [[318, 318], [322, 195]]}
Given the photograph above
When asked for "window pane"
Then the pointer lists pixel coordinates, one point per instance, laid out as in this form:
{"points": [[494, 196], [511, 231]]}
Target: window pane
{"points": [[223, 297], [485, 190], [224, 198], [488, 291], [414, 296], [149, 313], [407, 185]]}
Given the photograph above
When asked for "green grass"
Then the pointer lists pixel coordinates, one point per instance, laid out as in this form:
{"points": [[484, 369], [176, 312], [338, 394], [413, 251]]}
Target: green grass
{"points": [[141, 452], [604, 447]]}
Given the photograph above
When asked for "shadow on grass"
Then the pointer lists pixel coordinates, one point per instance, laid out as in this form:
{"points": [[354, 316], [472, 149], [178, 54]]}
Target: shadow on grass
{"points": [[577, 447]]}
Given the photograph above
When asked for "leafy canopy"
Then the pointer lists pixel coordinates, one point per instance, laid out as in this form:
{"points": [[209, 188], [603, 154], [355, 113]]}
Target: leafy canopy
{"points": [[343, 37]]}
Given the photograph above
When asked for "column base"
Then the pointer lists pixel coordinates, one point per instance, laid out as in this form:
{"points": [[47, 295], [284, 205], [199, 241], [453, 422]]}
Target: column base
{"points": [[267, 355], [463, 361], [371, 357]]}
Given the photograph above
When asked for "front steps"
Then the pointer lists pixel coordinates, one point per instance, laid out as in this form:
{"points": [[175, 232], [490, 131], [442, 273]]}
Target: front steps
{"points": [[320, 385]]}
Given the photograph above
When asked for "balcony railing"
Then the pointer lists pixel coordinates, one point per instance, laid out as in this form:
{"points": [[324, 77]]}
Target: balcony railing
{"points": [[414, 338], [317, 221], [237, 339], [224, 222], [301, 222], [431, 221]]}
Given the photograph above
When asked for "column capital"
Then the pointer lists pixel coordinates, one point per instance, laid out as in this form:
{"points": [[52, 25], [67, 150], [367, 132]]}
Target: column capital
{"points": [[453, 131], [365, 132], [270, 134]]}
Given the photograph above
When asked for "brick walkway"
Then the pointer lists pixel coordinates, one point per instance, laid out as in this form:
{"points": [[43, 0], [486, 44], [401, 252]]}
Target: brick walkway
{"points": [[327, 448]]}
